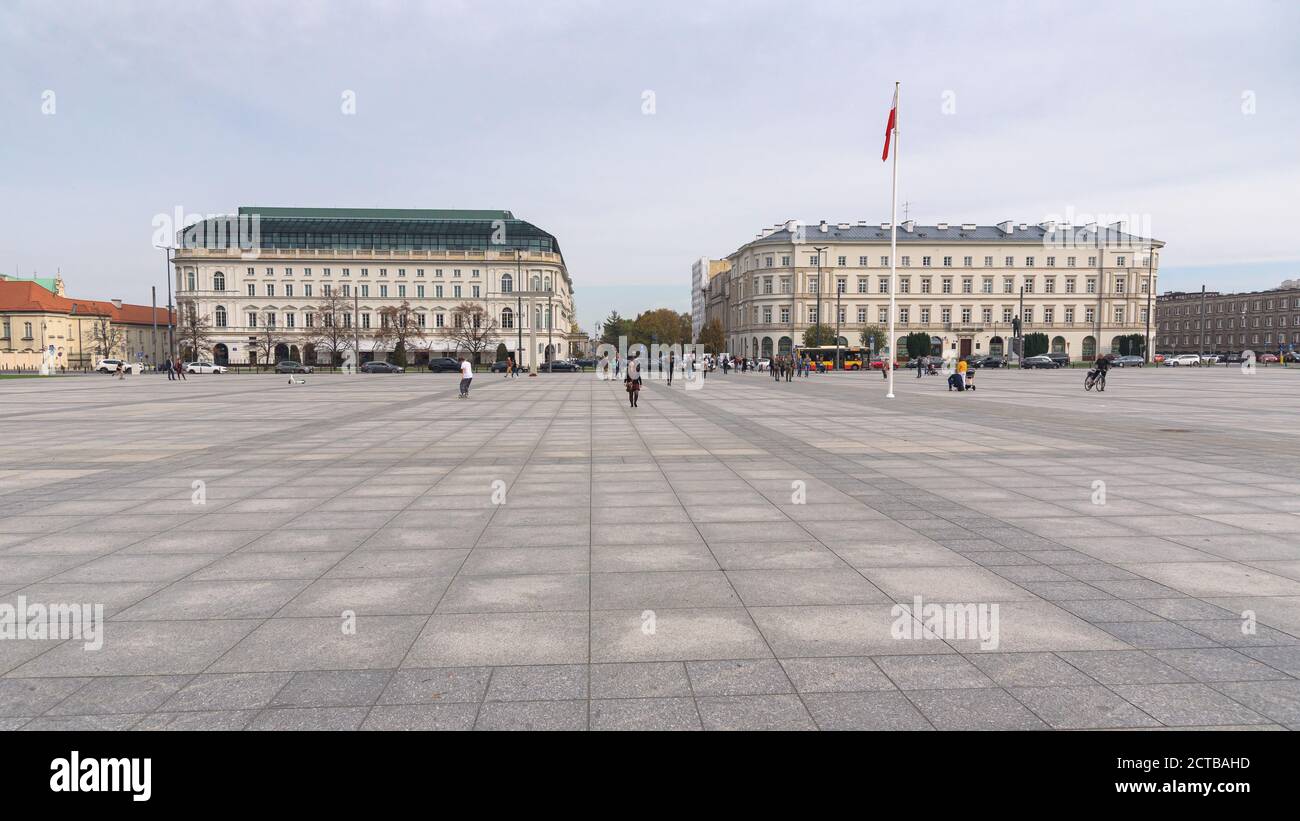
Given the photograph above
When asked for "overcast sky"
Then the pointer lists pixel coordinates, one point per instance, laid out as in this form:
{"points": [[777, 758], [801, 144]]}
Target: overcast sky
{"points": [[1183, 114]]}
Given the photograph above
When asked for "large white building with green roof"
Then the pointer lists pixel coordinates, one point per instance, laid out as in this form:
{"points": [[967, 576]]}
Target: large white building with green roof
{"points": [[319, 284]]}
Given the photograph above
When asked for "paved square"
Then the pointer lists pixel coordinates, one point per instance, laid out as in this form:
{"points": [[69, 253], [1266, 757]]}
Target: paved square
{"points": [[367, 552]]}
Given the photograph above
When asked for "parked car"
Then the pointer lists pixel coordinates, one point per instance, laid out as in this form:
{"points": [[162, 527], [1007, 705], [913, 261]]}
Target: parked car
{"points": [[444, 364], [991, 362], [879, 365], [1129, 361], [1268, 358], [1183, 359], [1291, 356], [591, 363], [1061, 359], [110, 366], [498, 367], [562, 366], [1211, 359], [1234, 358], [289, 366], [204, 367], [381, 367], [1159, 358], [1040, 361]]}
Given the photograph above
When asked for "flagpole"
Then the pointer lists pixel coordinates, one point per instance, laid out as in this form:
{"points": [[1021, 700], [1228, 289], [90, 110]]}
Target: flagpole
{"points": [[893, 255]]}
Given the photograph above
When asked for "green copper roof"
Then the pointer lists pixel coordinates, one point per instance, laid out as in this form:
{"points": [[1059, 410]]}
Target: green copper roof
{"points": [[48, 283], [379, 213]]}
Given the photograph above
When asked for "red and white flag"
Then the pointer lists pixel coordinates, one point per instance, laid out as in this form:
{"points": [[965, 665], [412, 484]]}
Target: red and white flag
{"points": [[890, 126]]}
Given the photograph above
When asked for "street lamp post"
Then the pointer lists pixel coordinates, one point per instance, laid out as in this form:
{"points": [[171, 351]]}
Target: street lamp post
{"points": [[838, 289], [519, 309], [819, 249], [1146, 343], [171, 345]]}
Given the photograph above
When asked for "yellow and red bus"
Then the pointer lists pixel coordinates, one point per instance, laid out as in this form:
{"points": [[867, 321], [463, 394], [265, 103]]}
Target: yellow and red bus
{"points": [[852, 358]]}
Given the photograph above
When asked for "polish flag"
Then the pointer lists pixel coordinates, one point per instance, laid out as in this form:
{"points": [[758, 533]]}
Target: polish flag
{"points": [[890, 126]]}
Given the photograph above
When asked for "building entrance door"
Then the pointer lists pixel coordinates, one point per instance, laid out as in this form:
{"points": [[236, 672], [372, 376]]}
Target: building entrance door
{"points": [[965, 347]]}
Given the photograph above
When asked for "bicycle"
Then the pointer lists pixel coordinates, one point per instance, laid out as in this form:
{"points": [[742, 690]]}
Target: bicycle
{"points": [[1095, 379]]}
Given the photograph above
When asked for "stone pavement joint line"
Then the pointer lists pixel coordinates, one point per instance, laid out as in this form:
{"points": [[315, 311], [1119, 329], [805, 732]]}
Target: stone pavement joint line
{"points": [[371, 553]]}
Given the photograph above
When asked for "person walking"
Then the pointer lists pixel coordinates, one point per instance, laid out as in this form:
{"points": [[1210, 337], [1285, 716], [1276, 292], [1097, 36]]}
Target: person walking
{"points": [[920, 366], [180, 368], [119, 372], [167, 366], [510, 367], [466, 377], [633, 381], [672, 366]]}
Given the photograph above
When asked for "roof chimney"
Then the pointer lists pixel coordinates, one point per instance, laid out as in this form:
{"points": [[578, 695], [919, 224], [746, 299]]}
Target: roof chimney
{"points": [[908, 225], [943, 226], [823, 227], [968, 226]]}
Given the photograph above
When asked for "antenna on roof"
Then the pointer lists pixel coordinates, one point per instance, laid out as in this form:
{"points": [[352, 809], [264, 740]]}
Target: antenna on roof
{"points": [[906, 208]]}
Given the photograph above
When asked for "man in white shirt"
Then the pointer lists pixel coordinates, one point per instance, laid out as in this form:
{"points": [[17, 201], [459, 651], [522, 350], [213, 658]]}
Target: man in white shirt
{"points": [[466, 376]]}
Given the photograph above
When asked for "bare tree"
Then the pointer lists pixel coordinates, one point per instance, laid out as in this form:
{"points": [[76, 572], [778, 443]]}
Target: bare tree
{"points": [[268, 337], [193, 329], [331, 333], [106, 337], [471, 329], [398, 327]]}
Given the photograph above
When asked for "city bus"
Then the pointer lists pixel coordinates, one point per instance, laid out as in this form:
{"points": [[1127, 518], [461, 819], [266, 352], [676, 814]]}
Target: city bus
{"points": [[852, 358]]}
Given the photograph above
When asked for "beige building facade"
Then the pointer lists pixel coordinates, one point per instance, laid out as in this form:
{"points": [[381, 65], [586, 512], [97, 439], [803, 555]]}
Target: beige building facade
{"points": [[963, 284], [39, 325], [275, 267]]}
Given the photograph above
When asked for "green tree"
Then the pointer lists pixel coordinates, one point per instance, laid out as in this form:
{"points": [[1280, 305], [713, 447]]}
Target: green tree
{"points": [[661, 325], [613, 327], [818, 336], [918, 344], [712, 337], [1035, 344], [398, 356], [1132, 345], [502, 353], [873, 337]]}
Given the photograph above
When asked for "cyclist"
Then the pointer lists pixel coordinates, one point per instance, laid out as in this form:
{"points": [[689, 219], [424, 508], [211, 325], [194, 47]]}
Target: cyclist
{"points": [[1098, 372]]}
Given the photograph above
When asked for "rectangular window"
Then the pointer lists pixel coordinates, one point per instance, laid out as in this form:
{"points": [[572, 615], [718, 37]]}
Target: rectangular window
{"points": [[862, 313], [884, 285], [986, 286], [925, 285]]}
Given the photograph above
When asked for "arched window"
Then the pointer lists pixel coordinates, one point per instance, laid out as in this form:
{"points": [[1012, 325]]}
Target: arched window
{"points": [[507, 285], [507, 318], [191, 281], [218, 281], [537, 283], [548, 283]]}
